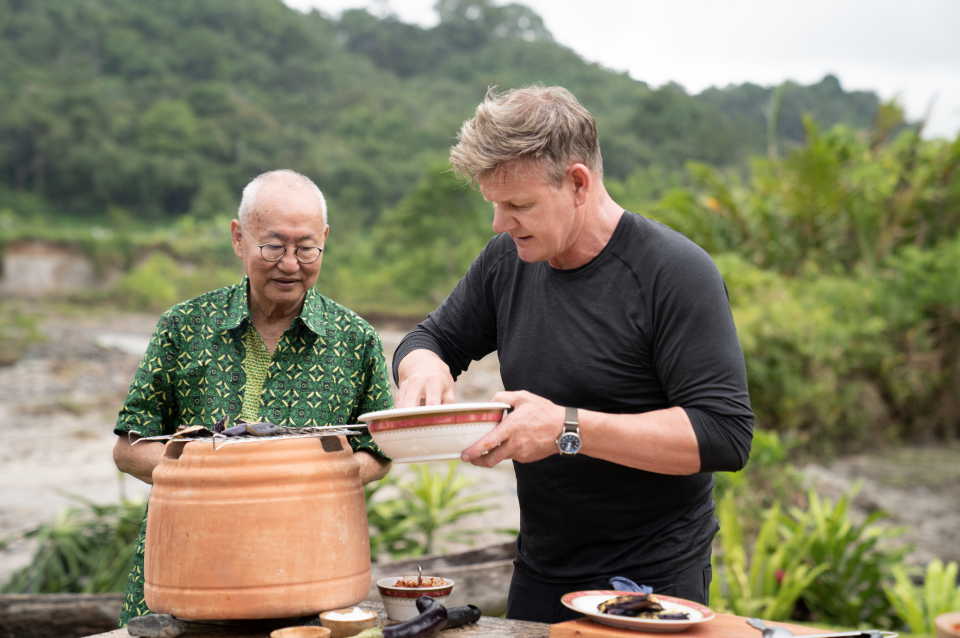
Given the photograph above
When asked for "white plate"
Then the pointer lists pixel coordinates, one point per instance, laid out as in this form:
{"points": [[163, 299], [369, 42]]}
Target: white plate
{"points": [[586, 602]]}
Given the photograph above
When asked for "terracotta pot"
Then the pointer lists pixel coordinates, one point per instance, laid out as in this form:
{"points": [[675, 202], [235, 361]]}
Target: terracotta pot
{"points": [[271, 529]]}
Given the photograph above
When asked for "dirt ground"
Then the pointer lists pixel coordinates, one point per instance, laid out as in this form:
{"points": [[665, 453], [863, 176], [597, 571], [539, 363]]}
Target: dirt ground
{"points": [[59, 403]]}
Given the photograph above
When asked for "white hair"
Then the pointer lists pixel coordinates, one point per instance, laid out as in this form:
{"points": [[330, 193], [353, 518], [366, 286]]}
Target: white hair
{"points": [[249, 200]]}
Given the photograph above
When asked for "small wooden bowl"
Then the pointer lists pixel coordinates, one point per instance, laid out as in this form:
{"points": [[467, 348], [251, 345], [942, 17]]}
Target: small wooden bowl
{"points": [[948, 625], [346, 628], [301, 632]]}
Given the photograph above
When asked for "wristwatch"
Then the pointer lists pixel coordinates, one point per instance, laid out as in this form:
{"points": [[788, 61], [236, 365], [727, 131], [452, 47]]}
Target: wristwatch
{"points": [[569, 440]]}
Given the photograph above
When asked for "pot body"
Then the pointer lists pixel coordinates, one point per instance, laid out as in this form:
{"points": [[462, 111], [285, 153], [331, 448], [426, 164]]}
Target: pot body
{"points": [[269, 529]]}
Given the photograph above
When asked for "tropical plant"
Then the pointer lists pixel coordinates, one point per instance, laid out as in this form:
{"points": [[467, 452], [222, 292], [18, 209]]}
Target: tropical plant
{"points": [[857, 560], [768, 582], [412, 523], [918, 607], [391, 530], [86, 549]]}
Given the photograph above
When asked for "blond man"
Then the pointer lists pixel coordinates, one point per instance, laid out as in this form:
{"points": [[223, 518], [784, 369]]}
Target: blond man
{"points": [[618, 353]]}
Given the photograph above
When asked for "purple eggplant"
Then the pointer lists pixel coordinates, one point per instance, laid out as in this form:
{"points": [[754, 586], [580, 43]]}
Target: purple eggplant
{"points": [[460, 616], [262, 429], [432, 619]]}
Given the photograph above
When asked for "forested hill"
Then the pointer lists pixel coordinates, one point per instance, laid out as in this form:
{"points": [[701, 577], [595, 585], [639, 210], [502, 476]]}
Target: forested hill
{"points": [[137, 109]]}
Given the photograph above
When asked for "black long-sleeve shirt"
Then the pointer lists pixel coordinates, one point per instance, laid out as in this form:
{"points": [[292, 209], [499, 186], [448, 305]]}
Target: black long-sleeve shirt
{"points": [[645, 325]]}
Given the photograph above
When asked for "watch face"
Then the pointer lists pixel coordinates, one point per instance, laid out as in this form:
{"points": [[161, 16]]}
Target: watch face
{"points": [[569, 443]]}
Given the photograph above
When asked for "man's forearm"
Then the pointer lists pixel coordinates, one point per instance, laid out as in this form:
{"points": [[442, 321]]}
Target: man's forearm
{"points": [[138, 460], [662, 441]]}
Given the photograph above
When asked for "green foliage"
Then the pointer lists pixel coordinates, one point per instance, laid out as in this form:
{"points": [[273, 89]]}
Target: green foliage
{"points": [[411, 524], [840, 569], [160, 282], [839, 202], [768, 583], [768, 478], [138, 105], [19, 329], [431, 238], [850, 592], [87, 549], [918, 607], [389, 525], [845, 298]]}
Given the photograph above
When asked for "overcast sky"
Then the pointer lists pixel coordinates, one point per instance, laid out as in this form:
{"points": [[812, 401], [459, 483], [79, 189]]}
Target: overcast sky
{"points": [[888, 46]]}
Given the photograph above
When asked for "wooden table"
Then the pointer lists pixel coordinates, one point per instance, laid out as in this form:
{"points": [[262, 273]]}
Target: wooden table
{"points": [[487, 627], [723, 626]]}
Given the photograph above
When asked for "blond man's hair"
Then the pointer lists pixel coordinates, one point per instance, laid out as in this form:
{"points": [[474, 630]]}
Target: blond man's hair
{"points": [[537, 126]]}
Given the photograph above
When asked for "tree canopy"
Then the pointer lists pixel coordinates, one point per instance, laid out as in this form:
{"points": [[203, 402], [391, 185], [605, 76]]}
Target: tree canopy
{"points": [[164, 108]]}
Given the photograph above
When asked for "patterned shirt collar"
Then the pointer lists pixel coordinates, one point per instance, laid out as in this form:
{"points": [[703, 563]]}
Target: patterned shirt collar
{"points": [[313, 314]]}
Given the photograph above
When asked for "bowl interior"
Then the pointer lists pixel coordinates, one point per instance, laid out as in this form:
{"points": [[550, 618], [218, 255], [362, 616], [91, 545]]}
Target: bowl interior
{"points": [[438, 585]]}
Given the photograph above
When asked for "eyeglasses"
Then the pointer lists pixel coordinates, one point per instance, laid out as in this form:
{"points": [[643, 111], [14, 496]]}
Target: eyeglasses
{"points": [[304, 254], [275, 252]]}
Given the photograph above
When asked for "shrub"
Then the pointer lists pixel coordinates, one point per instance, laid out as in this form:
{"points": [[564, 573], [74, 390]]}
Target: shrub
{"points": [[850, 591], [160, 282], [411, 524], [837, 568], [919, 607], [86, 549], [768, 582], [19, 329]]}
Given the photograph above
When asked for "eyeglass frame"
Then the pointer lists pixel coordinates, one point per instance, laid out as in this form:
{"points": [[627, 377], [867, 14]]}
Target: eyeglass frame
{"points": [[295, 251]]}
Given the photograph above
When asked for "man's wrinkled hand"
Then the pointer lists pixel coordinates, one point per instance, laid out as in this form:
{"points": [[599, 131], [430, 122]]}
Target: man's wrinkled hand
{"points": [[527, 434], [424, 379]]}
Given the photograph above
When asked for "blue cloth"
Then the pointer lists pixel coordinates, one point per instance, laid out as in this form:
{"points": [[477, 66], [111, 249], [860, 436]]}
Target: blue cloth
{"points": [[625, 584]]}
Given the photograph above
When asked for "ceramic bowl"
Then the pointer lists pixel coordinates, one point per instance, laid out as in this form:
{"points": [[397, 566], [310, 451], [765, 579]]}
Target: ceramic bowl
{"points": [[301, 632], [400, 603], [948, 625], [433, 432], [344, 628]]}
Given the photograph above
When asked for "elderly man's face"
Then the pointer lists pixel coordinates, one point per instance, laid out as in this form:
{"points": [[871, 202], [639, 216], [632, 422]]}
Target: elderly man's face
{"points": [[286, 215]]}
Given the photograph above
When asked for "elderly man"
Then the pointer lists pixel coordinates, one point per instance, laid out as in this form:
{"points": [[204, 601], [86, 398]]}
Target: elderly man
{"points": [[618, 353], [241, 351]]}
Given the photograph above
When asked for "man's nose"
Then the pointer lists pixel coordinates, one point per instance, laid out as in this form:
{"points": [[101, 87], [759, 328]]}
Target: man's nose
{"points": [[289, 261], [502, 222]]}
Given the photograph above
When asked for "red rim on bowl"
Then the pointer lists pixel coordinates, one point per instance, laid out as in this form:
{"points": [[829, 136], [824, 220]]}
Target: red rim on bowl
{"points": [[448, 414], [386, 589]]}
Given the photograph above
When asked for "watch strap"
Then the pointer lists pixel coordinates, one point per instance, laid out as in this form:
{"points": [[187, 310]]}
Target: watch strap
{"points": [[570, 422]]}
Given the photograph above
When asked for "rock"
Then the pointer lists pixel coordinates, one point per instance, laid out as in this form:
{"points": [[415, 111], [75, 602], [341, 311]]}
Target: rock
{"points": [[157, 626]]}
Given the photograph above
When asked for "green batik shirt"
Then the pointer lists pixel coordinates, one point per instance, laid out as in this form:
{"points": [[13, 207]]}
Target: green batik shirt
{"points": [[206, 360]]}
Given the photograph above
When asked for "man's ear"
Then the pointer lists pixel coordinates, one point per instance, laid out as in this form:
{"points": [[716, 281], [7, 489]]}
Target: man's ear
{"points": [[236, 237], [581, 179]]}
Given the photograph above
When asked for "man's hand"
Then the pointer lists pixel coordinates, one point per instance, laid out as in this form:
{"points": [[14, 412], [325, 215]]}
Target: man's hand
{"points": [[527, 434], [424, 380]]}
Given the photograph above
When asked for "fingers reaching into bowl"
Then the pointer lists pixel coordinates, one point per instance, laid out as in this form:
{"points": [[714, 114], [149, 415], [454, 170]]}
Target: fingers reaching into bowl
{"points": [[424, 379]]}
